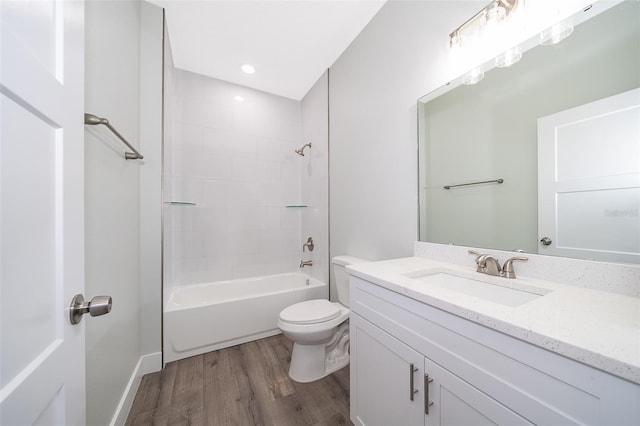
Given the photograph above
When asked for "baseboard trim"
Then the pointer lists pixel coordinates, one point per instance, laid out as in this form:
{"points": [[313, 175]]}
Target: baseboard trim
{"points": [[149, 363]]}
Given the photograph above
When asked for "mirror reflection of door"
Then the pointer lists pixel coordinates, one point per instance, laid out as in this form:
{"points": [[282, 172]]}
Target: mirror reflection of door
{"points": [[589, 180]]}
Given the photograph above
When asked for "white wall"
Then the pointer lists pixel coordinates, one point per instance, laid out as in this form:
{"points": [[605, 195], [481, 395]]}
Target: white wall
{"points": [[123, 82], [112, 228], [374, 86], [400, 56], [499, 138], [315, 177], [236, 161]]}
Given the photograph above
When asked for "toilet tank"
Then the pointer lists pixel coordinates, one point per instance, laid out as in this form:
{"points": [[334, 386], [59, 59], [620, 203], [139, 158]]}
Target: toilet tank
{"points": [[342, 279]]}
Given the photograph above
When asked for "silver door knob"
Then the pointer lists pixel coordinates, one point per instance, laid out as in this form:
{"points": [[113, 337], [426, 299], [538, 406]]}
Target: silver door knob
{"points": [[546, 241], [98, 305]]}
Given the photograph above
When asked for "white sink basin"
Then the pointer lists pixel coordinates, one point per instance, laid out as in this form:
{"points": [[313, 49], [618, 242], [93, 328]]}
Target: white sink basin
{"points": [[507, 296]]}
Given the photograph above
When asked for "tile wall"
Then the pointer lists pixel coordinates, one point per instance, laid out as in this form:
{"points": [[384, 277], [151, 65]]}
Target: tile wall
{"points": [[235, 160]]}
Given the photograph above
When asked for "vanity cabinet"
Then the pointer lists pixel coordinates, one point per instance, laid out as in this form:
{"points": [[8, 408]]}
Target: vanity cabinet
{"points": [[413, 364], [396, 385]]}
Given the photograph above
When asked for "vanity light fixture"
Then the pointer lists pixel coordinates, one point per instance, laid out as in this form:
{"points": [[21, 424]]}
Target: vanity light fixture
{"points": [[473, 76], [248, 68], [556, 33], [492, 14], [508, 57], [495, 13]]}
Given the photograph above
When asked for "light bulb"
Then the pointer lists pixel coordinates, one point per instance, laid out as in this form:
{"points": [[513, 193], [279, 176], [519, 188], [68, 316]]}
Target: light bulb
{"points": [[555, 34], [508, 57], [495, 14], [455, 40], [473, 76], [248, 68]]}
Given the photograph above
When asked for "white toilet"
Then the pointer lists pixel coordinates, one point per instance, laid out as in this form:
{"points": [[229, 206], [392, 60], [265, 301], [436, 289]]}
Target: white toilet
{"points": [[319, 329]]}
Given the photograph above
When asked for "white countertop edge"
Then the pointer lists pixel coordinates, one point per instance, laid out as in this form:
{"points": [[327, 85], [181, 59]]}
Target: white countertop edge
{"points": [[604, 362]]}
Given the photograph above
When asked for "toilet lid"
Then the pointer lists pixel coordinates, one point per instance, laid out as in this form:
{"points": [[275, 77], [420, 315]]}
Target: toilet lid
{"points": [[310, 312]]}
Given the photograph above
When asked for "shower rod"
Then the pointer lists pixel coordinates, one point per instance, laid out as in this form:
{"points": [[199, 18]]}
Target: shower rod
{"points": [[92, 120]]}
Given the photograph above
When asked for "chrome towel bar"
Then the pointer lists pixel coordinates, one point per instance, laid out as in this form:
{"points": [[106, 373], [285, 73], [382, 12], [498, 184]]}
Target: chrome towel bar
{"points": [[92, 120], [474, 183]]}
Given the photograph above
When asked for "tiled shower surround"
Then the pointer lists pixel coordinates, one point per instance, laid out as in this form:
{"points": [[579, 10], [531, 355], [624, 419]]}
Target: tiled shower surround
{"points": [[234, 158]]}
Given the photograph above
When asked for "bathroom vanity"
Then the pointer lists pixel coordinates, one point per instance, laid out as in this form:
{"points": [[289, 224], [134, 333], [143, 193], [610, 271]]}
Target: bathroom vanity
{"points": [[437, 343]]}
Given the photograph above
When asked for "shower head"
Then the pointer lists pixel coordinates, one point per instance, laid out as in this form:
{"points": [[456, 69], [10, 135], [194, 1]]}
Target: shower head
{"points": [[300, 151]]}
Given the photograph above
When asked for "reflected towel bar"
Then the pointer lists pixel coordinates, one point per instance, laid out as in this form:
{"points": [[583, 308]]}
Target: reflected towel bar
{"points": [[474, 183], [93, 120]]}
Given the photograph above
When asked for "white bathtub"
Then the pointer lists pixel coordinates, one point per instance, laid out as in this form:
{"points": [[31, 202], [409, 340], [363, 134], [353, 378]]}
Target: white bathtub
{"points": [[199, 318]]}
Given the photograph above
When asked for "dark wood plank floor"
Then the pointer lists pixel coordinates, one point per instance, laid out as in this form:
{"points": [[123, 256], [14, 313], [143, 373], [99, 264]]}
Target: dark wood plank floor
{"points": [[242, 385]]}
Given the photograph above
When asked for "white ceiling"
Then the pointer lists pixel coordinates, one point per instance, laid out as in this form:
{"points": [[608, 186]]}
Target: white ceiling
{"points": [[290, 42]]}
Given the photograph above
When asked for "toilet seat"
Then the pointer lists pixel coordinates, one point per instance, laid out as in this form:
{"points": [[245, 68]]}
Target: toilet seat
{"points": [[310, 312]]}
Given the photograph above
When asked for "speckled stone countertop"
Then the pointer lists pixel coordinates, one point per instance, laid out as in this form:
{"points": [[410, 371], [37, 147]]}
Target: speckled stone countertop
{"points": [[596, 328]]}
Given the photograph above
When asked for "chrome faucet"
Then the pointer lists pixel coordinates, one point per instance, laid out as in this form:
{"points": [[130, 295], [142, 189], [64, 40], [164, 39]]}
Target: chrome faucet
{"points": [[304, 263], [489, 265], [308, 245]]}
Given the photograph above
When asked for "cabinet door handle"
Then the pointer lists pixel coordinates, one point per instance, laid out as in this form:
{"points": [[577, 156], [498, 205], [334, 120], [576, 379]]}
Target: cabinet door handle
{"points": [[427, 401], [412, 391]]}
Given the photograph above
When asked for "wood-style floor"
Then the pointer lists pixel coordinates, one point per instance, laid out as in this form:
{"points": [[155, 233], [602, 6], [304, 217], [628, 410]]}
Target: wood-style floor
{"points": [[242, 385]]}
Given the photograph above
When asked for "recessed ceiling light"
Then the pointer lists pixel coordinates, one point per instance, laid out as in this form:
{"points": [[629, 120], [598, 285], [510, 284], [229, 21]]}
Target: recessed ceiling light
{"points": [[238, 98], [248, 68]]}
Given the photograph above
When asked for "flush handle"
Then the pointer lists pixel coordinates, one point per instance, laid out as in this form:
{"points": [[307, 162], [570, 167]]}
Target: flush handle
{"points": [[98, 305]]}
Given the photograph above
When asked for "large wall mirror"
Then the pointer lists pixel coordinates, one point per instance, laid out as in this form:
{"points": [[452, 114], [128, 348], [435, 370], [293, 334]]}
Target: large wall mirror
{"points": [[557, 137]]}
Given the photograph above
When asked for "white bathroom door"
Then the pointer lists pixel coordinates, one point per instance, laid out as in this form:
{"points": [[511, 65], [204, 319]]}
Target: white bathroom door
{"points": [[589, 180], [41, 211]]}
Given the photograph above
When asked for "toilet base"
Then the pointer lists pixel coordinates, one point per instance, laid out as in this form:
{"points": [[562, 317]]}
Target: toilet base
{"points": [[313, 362]]}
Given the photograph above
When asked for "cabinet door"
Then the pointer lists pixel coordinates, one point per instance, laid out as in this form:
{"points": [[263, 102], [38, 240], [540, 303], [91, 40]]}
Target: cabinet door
{"points": [[455, 402], [386, 378]]}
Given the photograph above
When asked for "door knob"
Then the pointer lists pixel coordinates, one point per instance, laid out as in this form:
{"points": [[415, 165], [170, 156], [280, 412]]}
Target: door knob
{"points": [[98, 305], [546, 241]]}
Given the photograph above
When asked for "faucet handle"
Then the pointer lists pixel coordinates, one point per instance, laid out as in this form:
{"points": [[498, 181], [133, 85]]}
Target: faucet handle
{"points": [[474, 253], [507, 268]]}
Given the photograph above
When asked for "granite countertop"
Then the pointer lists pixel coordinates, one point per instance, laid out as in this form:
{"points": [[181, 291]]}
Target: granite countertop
{"points": [[596, 328]]}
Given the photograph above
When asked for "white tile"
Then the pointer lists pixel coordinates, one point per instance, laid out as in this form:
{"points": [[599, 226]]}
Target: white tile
{"points": [[243, 242], [269, 217], [214, 167], [290, 263], [218, 141], [243, 194], [243, 219], [188, 137], [204, 270], [189, 110], [255, 265], [216, 192], [271, 195], [185, 189], [256, 171], [290, 217], [188, 84], [216, 244], [187, 245], [276, 150], [243, 145], [217, 115], [213, 219], [220, 91], [277, 241], [291, 193]]}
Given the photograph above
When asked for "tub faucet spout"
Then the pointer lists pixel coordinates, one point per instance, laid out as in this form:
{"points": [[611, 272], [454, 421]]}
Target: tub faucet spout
{"points": [[304, 263]]}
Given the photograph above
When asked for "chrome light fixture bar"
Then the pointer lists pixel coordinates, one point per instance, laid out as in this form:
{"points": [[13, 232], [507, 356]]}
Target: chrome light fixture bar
{"points": [[495, 12]]}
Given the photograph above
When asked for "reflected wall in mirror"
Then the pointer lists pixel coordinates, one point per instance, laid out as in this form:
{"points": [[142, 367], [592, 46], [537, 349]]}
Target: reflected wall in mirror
{"points": [[490, 131]]}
